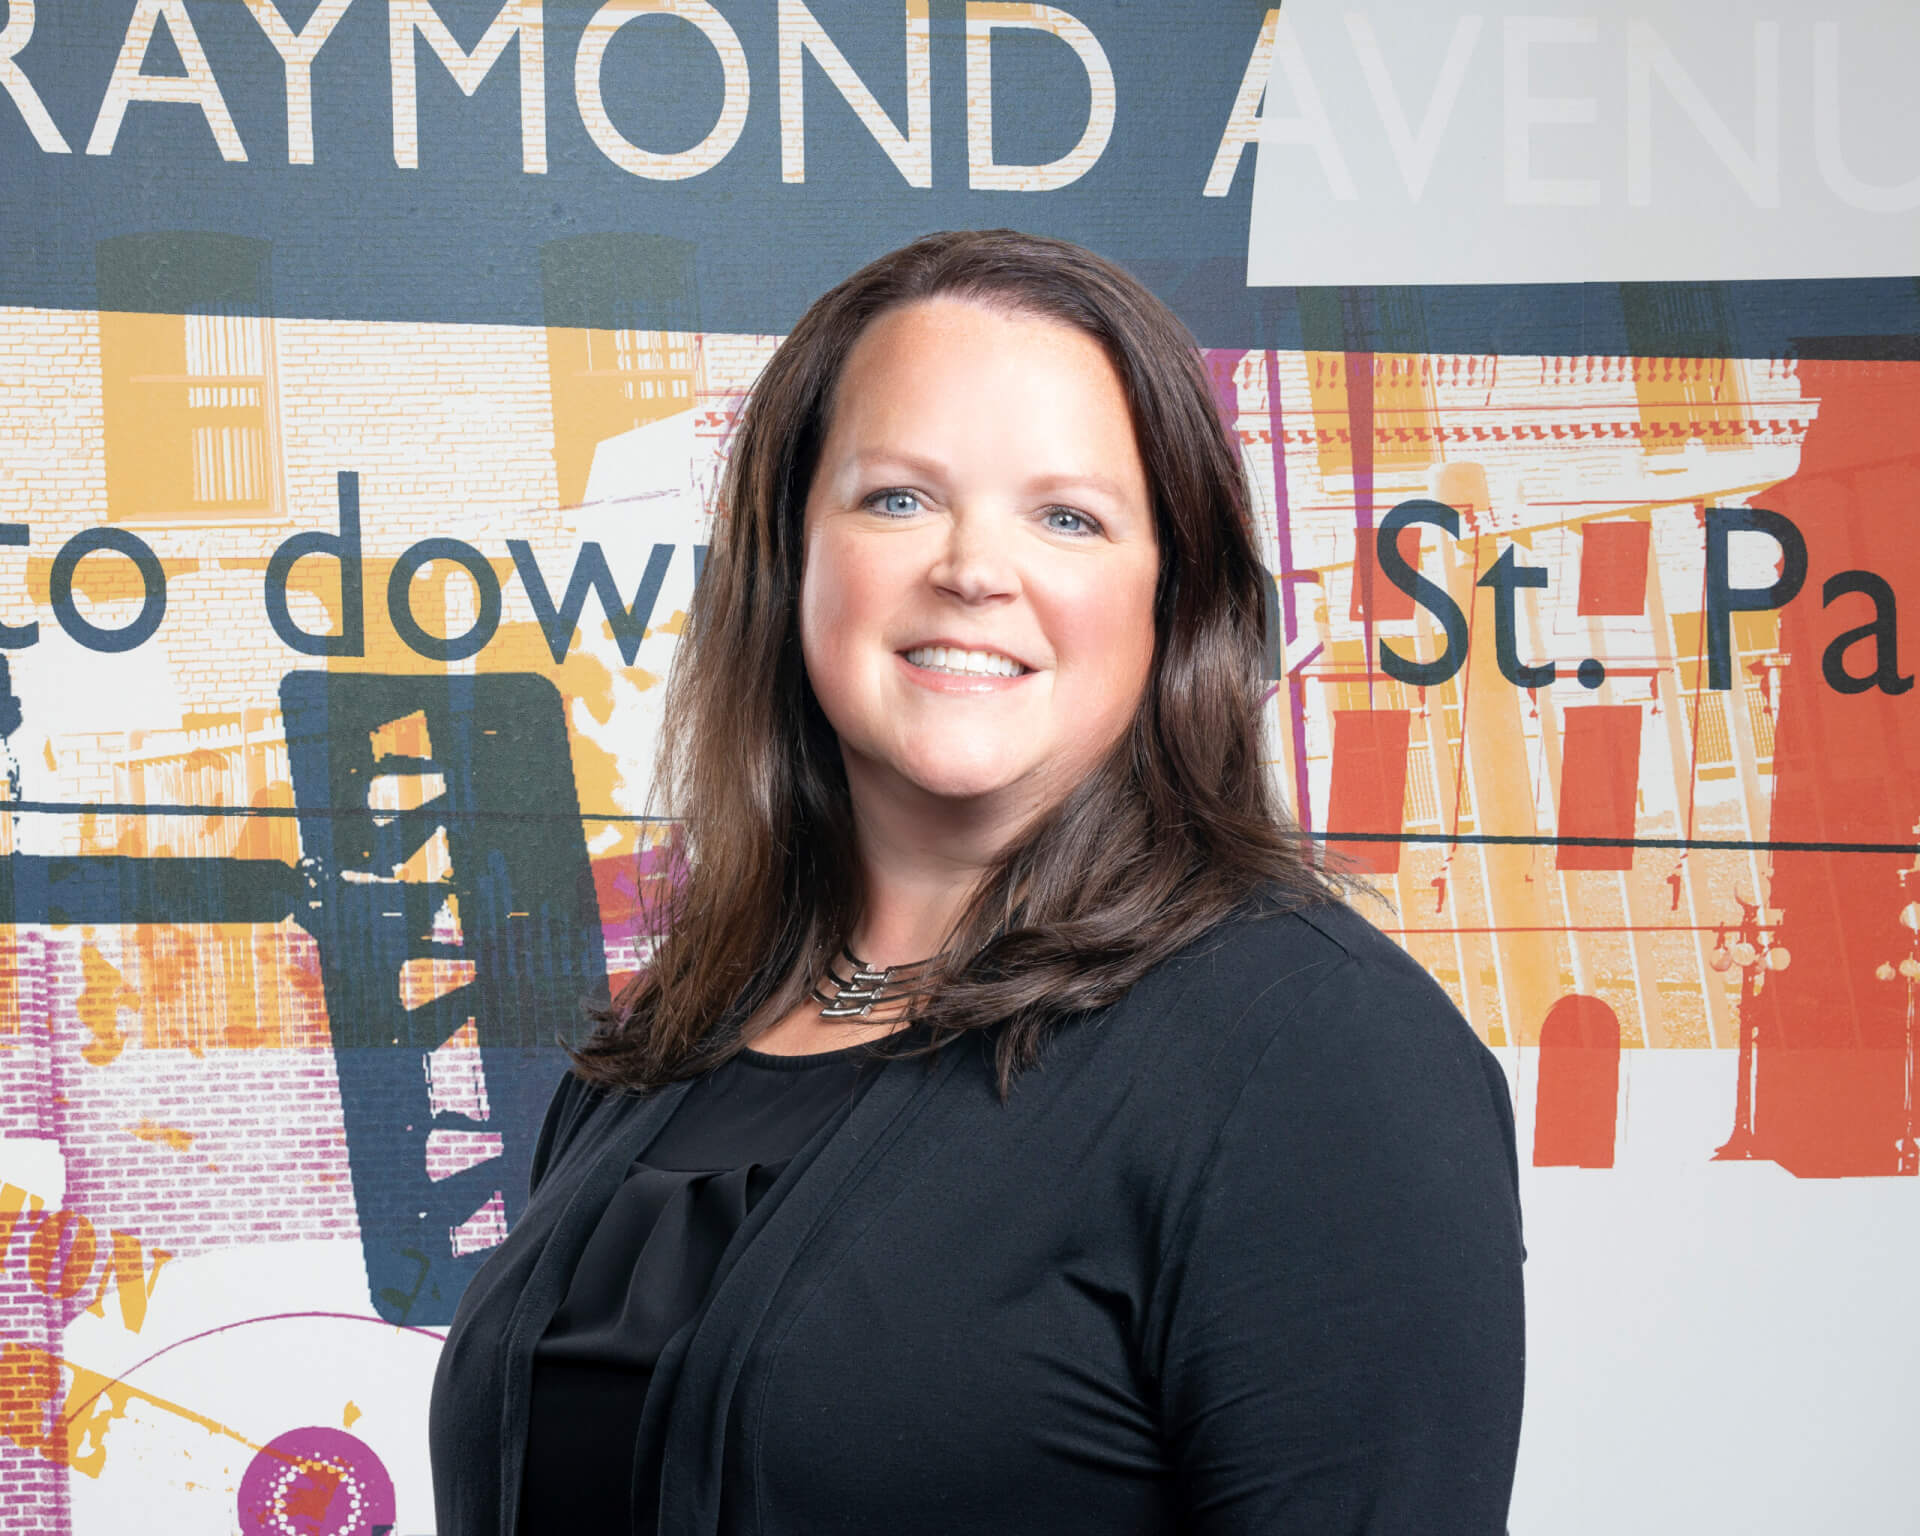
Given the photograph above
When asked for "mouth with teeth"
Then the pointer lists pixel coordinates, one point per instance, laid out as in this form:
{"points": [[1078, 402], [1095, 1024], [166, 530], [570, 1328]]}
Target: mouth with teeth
{"points": [[958, 663]]}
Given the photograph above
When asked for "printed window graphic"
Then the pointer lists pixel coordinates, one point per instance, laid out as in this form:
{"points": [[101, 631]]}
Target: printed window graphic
{"points": [[187, 386], [608, 380], [1370, 783], [1599, 783], [1689, 386], [1389, 604], [1613, 569], [1370, 377], [1405, 425]]}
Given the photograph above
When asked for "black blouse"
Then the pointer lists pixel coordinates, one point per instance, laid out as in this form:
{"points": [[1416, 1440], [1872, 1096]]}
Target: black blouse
{"points": [[646, 1269], [1239, 1255]]}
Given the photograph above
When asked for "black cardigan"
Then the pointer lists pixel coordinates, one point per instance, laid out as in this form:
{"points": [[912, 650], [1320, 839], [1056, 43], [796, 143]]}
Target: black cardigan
{"points": [[1241, 1255]]}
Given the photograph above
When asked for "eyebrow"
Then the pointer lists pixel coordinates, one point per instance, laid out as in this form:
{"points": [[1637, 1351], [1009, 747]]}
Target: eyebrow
{"points": [[1041, 485]]}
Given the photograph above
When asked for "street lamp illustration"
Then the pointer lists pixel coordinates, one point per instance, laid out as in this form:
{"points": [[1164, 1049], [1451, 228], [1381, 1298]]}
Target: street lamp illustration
{"points": [[1751, 947]]}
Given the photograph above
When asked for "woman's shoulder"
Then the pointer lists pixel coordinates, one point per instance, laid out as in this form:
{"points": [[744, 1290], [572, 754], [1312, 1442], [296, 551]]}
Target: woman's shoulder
{"points": [[1301, 982], [1275, 951], [573, 1101], [1299, 1044]]}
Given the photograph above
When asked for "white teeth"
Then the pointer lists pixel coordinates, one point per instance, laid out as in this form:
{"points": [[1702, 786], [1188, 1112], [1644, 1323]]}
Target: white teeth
{"points": [[942, 658]]}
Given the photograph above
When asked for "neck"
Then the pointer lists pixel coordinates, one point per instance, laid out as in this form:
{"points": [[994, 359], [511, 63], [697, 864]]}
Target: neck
{"points": [[908, 912], [919, 863]]}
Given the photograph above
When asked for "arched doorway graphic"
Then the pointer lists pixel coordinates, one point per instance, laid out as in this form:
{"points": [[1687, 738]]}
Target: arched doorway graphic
{"points": [[1579, 1091]]}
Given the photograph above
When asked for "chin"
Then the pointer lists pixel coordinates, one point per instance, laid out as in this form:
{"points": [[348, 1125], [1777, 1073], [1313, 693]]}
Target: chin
{"points": [[963, 781], [962, 787]]}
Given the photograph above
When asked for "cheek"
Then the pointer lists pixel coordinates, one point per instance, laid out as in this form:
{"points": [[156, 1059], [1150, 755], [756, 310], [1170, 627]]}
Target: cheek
{"points": [[840, 601], [821, 642], [1111, 627], [1133, 650]]}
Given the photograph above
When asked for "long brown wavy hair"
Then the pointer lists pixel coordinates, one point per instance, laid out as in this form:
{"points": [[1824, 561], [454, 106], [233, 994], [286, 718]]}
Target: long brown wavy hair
{"points": [[1171, 831]]}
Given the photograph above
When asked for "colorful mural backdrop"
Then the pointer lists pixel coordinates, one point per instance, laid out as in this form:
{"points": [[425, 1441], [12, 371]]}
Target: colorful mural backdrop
{"points": [[366, 368]]}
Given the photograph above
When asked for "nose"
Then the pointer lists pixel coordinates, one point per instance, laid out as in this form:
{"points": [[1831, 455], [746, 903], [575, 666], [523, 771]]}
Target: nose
{"points": [[975, 562]]}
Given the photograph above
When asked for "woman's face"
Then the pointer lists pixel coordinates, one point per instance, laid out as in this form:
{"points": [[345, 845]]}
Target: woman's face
{"points": [[976, 608]]}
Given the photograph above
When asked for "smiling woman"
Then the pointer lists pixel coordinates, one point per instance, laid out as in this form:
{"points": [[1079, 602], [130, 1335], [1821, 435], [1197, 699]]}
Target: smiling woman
{"points": [[1014, 1132]]}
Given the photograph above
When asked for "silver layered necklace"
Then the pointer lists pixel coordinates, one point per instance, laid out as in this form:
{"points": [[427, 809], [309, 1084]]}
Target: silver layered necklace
{"points": [[867, 989]]}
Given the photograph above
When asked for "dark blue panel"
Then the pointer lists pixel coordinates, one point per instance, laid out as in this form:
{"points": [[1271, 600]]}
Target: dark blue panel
{"points": [[530, 927], [460, 238]]}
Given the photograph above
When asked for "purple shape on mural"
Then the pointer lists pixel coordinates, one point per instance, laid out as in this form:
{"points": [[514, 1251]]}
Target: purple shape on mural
{"points": [[316, 1482]]}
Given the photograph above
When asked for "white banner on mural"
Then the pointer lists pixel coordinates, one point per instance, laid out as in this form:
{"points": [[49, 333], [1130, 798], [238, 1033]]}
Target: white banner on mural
{"points": [[1560, 141]]}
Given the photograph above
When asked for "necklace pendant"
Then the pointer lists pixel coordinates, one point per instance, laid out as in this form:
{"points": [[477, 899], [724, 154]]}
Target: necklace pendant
{"points": [[863, 989]]}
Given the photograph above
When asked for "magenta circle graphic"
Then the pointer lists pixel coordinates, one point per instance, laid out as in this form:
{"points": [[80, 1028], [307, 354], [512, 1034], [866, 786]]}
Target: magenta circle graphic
{"points": [[315, 1482]]}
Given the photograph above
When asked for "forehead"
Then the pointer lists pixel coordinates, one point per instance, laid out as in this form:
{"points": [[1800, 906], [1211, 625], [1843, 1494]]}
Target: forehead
{"points": [[981, 360]]}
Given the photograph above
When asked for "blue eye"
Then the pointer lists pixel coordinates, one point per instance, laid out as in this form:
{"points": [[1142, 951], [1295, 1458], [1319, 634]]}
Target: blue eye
{"points": [[1081, 523], [895, 503]]}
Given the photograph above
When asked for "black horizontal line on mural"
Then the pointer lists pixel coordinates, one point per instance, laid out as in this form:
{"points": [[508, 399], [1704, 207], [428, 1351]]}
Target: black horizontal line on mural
{"points": [[1563, 928], [1464, 839], [1684, 844], [429, 811]]}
